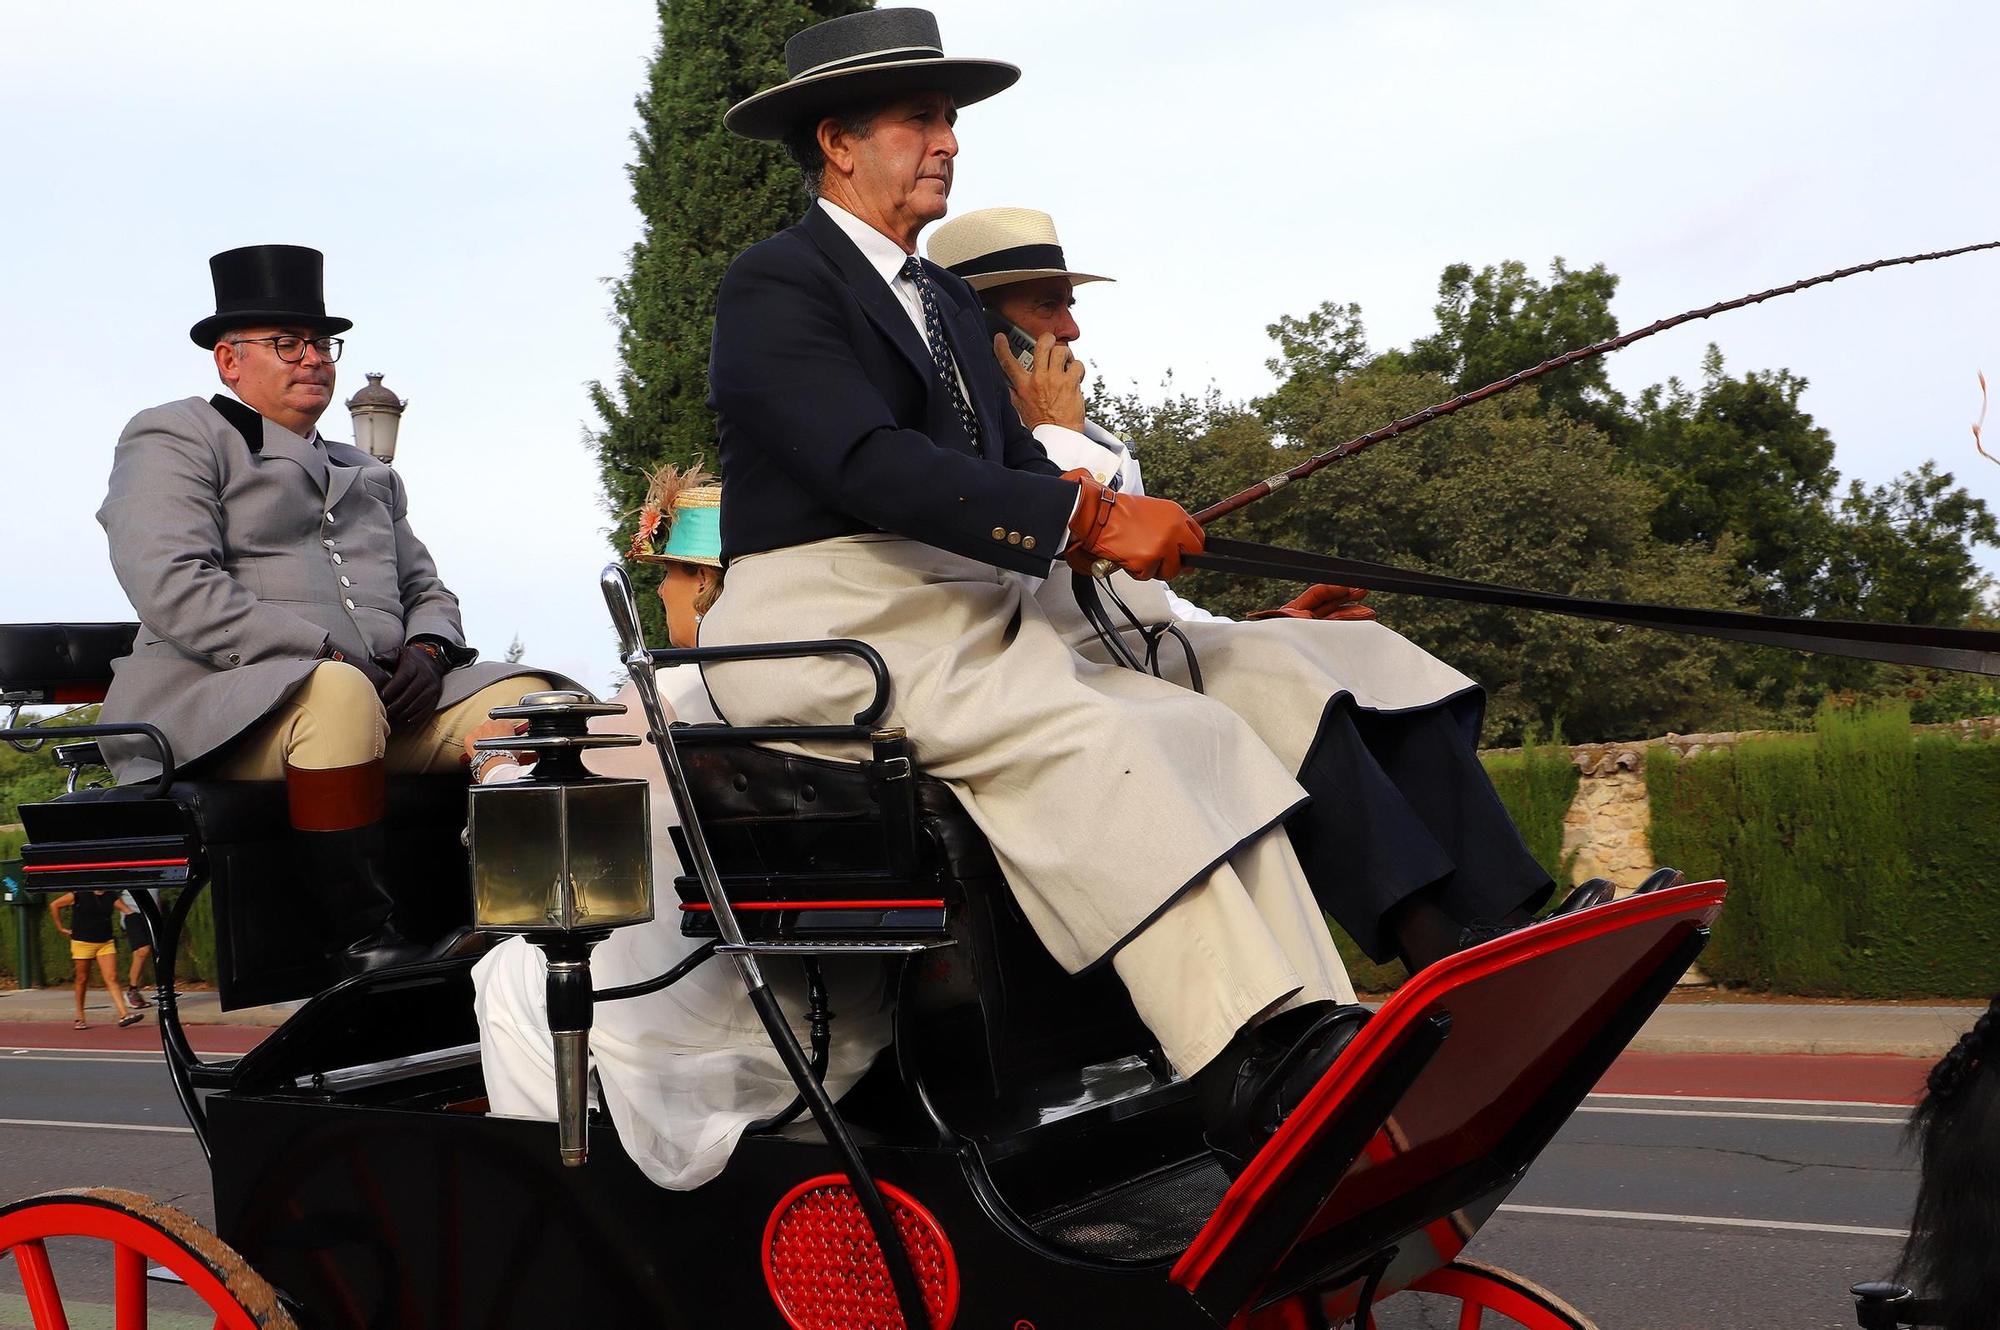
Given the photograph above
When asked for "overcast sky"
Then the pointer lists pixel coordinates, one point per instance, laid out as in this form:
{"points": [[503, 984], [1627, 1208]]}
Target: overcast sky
{"points": [[463, 167]]}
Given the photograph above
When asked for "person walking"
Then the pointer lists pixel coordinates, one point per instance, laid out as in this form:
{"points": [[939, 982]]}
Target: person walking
{"points": [[89, 935], [139, 940]]}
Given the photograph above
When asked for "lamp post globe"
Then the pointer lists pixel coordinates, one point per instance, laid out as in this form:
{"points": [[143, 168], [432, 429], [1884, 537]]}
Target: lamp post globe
{"points": [[378, 413]]}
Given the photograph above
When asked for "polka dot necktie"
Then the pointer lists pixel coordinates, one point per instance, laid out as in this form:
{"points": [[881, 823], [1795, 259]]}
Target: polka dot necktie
{"points": [[940, 354]]}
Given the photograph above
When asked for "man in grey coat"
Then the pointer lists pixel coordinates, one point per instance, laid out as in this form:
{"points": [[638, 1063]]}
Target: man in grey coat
{"points": [[292, 626]]}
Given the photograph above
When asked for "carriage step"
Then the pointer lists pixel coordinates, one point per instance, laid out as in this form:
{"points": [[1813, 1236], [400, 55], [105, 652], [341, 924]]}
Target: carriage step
{"points": [[214, 1075], [833, 948]]}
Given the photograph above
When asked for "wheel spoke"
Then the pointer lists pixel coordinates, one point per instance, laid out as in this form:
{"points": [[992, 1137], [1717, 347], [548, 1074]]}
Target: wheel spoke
{"points": [[128, 1296], [1469, 1316], [38, 1280]]}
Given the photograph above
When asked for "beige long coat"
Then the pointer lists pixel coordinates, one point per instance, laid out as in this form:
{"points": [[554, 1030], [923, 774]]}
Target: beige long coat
{"points": [[1104, 793], [246, 549]]}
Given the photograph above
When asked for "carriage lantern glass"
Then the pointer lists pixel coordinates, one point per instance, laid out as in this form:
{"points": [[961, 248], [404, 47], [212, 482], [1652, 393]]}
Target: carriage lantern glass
{"points": [[565, 852]]}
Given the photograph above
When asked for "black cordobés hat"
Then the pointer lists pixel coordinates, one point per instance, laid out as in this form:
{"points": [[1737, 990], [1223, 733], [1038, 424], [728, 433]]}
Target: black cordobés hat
{"points": [[875, 54]]}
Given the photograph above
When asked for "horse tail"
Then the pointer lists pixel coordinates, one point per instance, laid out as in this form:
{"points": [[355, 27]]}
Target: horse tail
{"points": [[1953, 1251]]}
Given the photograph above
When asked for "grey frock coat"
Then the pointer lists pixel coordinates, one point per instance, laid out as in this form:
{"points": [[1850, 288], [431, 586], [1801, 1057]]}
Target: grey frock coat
{"points": [[247, 550]]}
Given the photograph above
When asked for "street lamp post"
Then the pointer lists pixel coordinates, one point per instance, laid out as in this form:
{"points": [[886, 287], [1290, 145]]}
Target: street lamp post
{"points": [[377, 415]]}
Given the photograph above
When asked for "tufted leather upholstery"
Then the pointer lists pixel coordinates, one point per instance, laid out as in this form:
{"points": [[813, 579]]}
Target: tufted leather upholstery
{"points": [[768, 811]]}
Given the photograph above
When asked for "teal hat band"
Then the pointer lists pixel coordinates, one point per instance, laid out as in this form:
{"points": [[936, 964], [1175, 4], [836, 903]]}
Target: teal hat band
{"points": [[695, 537]]}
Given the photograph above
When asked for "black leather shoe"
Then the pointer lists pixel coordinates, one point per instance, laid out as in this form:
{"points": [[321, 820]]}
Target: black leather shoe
{"points": [[381, 950], [460, 943], [1254, 1084], [1586, 894]]}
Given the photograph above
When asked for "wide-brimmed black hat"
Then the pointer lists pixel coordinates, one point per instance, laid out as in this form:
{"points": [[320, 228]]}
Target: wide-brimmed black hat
{"points": [[263, 285], [875, 54]]}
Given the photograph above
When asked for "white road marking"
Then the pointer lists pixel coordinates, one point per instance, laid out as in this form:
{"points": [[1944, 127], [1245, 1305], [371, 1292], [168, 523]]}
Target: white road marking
{"points": [[1728, 1099], [1719, 1113], [93, 1126], [123, 1062], [1789, 1225], [134, 1054]]}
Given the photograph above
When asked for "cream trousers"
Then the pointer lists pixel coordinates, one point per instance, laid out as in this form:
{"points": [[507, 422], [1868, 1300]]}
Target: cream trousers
{"points": [[1246, 942], [335, 720]]}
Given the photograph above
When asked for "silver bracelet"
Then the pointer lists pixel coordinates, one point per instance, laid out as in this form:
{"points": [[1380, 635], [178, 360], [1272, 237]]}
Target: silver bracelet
{"points": [[490, 758]]}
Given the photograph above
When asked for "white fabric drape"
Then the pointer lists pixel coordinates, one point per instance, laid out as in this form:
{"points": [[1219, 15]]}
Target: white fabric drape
{"points": [[683, 1071]]}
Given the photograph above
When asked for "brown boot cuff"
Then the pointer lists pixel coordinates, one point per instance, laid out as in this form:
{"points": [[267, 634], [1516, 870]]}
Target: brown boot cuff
{"points": [[336, 798]]}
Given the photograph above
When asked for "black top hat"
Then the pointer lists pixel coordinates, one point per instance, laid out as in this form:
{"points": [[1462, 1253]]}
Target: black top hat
{"points": [[260, 285], [875, 54]]}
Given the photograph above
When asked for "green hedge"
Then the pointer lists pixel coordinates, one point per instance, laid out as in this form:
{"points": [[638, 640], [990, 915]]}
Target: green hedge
{"points": [[1861, 856], [1537, 783]]}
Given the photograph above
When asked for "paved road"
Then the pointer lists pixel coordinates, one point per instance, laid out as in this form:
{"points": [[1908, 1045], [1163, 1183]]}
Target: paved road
{"points": [[1652, 1211]]}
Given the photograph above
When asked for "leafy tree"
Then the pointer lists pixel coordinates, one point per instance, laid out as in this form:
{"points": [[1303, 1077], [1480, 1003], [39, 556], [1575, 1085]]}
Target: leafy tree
{"points": [[703, 196], [1904, 551], [1740, 463], [1500, 320]]}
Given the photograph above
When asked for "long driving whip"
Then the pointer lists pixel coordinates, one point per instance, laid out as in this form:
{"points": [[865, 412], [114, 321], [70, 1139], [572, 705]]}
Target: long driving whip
{"points": [[1430, 413]]}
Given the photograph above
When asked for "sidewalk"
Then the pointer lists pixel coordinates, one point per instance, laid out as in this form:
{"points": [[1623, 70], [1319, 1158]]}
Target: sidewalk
{"points": [[59, 1004], [1801, 1027], [1678, 1027]]}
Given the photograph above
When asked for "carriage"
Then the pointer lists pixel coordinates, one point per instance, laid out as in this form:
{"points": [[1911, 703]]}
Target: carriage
{"points": [[1019, 1156]]}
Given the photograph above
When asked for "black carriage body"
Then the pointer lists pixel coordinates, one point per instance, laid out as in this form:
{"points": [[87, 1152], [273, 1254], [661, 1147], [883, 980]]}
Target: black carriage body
{"points": [[1024, 1111], [409, 1216]]}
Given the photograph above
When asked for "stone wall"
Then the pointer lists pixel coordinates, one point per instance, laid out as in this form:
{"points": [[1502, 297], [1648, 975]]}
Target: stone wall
{"points": [[1607, 824]]}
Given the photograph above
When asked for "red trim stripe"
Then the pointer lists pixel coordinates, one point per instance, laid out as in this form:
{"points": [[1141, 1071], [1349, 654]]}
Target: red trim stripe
{"points": [[65, 694], [112, 863], [821, 905]]}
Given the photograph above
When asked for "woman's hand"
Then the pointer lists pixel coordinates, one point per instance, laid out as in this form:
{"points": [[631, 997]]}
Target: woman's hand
{"points": [[497, 729]]}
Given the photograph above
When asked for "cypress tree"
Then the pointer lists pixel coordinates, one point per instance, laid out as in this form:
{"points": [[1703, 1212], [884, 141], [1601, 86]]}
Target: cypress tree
{"points": [[704, 195]]}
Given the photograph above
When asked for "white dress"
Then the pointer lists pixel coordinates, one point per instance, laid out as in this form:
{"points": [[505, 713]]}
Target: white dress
{"points": [[685, 1070]]}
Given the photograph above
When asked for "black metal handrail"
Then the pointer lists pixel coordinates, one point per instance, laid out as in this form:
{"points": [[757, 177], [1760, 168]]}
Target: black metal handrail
{"points": [[45, 733], [864, 720]]}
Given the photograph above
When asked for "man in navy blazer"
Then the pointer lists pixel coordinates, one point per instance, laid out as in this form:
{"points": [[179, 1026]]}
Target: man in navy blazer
{"points": [[879, 485], [902, 447]]}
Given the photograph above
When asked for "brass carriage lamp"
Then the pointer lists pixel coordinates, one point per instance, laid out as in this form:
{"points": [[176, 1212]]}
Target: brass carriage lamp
{"points": [[378, 414], [562, 858]]}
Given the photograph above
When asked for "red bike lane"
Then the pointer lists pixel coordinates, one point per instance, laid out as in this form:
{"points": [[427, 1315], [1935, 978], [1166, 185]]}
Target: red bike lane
{"points": [[1837, 1077], [105, 1036]]}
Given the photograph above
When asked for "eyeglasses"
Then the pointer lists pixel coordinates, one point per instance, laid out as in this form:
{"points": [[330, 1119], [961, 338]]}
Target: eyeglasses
{"points": [[292, 350]]}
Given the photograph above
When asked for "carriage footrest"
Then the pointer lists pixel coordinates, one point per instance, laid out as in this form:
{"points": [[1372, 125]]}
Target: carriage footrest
{"points": [[833, 948], [1151, 1218], [214, 1075]]}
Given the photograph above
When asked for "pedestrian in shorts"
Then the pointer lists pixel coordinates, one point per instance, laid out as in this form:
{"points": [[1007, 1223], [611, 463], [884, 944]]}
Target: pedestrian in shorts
{"points": [[89, 935]]}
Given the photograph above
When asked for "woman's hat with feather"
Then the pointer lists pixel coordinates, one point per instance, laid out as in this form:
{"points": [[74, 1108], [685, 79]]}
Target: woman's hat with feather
{"points": [[681, 519]]}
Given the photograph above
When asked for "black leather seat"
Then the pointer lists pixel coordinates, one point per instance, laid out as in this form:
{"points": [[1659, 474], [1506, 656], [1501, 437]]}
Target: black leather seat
{"points": [[61, 662]]}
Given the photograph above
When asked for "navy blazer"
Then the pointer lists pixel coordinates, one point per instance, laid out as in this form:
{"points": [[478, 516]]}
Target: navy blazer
{"points": [[830, 409]]}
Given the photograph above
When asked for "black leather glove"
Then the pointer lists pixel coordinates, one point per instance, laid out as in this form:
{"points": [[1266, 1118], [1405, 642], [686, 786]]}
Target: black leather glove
{"points": [[378, 678], [413, 688]]}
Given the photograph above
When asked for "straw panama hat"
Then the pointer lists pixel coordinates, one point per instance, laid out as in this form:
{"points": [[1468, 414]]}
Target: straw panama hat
{"points": [[873, 55], [996, 246]]}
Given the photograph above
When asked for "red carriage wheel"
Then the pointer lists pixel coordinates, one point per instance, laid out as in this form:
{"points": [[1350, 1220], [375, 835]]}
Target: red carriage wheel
{"points": [[1489, 1298], [140, 1231]]}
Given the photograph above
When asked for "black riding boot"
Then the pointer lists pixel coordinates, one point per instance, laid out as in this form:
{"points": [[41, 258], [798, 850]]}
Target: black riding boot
{"points": [[351, 870], [340, 817]]}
